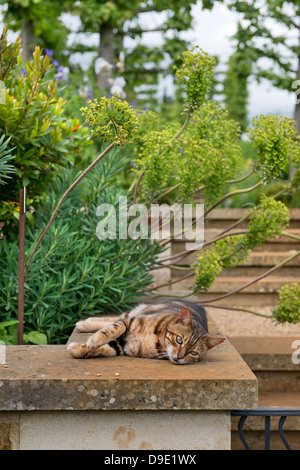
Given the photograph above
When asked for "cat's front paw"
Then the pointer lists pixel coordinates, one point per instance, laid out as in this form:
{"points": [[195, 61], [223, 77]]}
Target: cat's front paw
{"points": [[76, 350], [96, 340]]}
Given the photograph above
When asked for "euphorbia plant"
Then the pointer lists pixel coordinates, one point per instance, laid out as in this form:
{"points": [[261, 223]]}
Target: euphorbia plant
{"points": [[204, 156], [111, 120], [201, 155]]}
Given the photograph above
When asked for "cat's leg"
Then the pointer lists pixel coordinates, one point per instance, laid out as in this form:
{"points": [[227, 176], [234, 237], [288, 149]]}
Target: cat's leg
{"points": [[81, 351], [108, 333], [93, 324]]}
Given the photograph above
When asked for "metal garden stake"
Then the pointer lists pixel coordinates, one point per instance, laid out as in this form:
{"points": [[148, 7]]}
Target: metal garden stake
{"points": [[22, 199]]}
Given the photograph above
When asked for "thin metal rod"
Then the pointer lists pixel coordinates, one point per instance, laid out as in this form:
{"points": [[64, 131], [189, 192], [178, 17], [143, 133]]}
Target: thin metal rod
{"points": [[267, 432], [241, 432], [22, 201], [281, 433]]}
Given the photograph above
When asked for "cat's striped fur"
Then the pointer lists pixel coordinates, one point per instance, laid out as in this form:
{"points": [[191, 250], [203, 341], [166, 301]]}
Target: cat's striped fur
{"points": [[173, 329]]}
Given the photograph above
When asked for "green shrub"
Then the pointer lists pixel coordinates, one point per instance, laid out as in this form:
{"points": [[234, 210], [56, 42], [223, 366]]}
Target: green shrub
{"points": [[74, 274], [32, 117]]}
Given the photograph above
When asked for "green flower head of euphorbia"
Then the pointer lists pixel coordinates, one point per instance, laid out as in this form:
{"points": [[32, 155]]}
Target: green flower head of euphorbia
{"points": [[111, 119], [288, 307], [195, 74]]}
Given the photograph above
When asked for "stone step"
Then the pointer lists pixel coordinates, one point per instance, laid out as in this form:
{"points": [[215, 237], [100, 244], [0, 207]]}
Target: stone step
{"points": [[267, 352], [211, 233], [222, 285], [225, 217], [268, 249], [241, 299], [270, 359], [240, 271], [264, 257]]}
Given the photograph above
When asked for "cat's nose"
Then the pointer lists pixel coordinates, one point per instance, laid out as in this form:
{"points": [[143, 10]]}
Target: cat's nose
{"points": [[179, 356]]}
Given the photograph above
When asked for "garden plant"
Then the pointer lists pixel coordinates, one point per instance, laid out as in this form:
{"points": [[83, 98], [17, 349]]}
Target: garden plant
{"points": [[70, 273]]}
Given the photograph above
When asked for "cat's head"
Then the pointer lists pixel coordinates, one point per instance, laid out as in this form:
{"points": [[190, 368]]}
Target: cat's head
{"points": [[186, 341]]}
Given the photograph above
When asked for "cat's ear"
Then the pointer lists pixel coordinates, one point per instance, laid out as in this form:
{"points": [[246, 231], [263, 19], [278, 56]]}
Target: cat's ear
{"points": [[212, 341], [184, 317]]}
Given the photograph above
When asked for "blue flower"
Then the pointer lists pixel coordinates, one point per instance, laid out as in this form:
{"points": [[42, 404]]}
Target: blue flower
{"points": [[144, 108], [23, 71], [49, 52], [55, 63]]}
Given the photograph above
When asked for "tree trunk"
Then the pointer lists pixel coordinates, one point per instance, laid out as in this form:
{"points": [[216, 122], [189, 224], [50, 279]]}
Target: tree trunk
{"points": [[107, 52], [28, 39]]}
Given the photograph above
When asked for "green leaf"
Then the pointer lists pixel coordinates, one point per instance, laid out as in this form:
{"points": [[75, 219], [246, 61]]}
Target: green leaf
{"points": [[4, 324], [36, 337], [25, 181]]}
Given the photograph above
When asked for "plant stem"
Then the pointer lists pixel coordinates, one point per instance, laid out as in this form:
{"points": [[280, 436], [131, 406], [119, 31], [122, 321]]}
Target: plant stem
{"points": [[238, 309], [173, 295], [63, 198], [184, 254], [137, 185], [233, 193], [168, 190], [290, 235], [175, 281], [258, 278], [227, 229], [239, 180], [185, 124]]}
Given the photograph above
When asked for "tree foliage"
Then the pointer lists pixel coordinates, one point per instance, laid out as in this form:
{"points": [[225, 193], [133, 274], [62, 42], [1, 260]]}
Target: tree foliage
{"points": [[236, 81], [271, 38]]}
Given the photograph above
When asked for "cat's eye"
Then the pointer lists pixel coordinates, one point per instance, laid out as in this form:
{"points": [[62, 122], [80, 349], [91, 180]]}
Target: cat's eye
{"points": [[194, 353], [179, 340]]}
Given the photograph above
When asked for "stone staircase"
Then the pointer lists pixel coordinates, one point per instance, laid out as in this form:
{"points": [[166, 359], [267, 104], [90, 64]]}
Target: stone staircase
{"points": [[270, 358], [265, 346], [260, 260]]}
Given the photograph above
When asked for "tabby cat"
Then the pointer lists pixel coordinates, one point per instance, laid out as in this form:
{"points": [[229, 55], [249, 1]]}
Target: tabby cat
{"points": [[173, 329]]}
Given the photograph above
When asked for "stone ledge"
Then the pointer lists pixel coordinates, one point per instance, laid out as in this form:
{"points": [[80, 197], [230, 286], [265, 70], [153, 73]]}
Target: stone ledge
{"points": [[267, 353], [47, 378]]}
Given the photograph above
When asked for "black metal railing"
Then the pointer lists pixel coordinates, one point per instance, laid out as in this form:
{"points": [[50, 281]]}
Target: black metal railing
{"points": [[267, 412]]}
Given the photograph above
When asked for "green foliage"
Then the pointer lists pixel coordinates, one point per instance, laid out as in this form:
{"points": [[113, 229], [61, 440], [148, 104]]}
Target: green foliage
{"points": [[143, 64], [42, 19], [195, 74], [207, 268], [32, 116], [211, 153], [275, 40], [288, 306], [274, 139], [235, 84], [111, 119], [233, 250], [205, 155], [267, 220], [5, 156], [74, 274], [9, 334]]}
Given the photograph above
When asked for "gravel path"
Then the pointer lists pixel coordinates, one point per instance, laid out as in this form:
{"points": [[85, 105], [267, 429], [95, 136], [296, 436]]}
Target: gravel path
{"points": [[246, 324]]}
